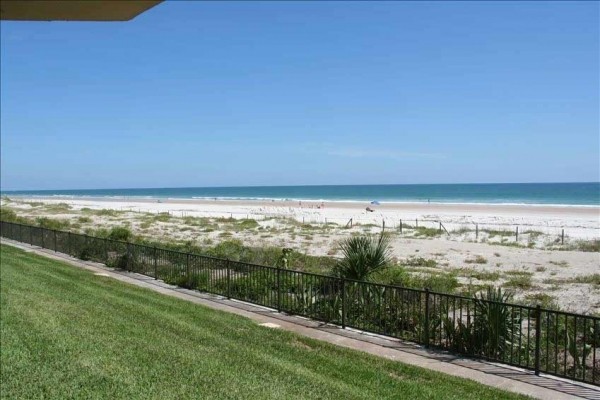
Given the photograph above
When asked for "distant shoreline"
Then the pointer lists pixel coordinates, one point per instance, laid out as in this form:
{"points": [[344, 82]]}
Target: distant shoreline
{"points": [[290, 201]]}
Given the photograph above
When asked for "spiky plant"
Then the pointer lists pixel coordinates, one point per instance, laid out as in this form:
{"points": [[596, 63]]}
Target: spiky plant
{"points": [[363, 255], [497, 325]]}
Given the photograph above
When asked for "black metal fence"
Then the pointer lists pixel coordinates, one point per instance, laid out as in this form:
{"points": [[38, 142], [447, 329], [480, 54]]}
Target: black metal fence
{"points": [[548, 341]]}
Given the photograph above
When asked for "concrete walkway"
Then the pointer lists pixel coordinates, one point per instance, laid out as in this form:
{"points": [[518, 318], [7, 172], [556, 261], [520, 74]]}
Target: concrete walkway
{"points": [[487, 373]]}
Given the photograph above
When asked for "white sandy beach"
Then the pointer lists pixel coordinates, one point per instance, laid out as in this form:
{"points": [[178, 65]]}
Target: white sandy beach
{"points": [[578, 221]]}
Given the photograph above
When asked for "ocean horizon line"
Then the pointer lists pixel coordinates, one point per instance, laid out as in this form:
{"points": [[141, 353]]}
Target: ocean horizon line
{"points": [[298, 185], [569, 193]]}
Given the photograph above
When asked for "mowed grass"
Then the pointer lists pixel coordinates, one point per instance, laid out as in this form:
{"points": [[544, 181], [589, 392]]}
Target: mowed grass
{"points": [[67, 333]]}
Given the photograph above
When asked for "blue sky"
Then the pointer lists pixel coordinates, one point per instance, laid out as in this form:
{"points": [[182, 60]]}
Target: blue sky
{"points": [[284, 93]]}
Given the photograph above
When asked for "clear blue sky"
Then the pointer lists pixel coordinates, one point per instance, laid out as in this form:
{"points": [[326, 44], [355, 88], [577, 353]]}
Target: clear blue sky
{"points": [[275, 93]]}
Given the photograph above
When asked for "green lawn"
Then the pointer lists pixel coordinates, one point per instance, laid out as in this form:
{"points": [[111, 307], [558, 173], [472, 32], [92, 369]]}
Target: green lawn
{"points": [[66, 333]]}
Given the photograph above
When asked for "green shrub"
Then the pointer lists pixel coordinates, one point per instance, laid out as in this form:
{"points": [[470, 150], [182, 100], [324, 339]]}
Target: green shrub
{"points": [[162, 217], [395, 275], [519, 281], [398, 276], [8, 215], [85, 254], [229, 249], [118, 261], [593, 279], [542, 299], [587, 245], [59, 207], [84, 220], [444, 283], [247, 224], [195, 281], [120, 233], [50, 223], [105, 212]]}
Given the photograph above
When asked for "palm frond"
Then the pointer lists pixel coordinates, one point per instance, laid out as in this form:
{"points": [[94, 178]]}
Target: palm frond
{"points": [[363, 255]]}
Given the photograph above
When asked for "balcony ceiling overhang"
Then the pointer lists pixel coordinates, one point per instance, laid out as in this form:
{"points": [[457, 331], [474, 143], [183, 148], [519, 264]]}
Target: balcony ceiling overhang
{"points": [[73, 10]]}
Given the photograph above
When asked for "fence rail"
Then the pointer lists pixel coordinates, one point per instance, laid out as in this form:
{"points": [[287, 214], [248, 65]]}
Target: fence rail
{"points": [[534, 338]]}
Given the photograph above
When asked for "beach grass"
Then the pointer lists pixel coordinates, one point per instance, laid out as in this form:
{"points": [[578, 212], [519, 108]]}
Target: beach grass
{"points": [[478, 274], [477, 260], [498, 232], [420, 262], [542, 299], [422, 231], [519, 280], [585, 245], [67, 333]]}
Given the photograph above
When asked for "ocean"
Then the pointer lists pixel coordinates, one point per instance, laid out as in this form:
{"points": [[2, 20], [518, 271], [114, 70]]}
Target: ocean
{"points": [[587, 194]]}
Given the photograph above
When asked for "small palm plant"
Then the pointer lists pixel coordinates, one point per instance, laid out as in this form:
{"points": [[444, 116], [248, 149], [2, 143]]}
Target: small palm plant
{"points": [[497, 325], [363, 255]]}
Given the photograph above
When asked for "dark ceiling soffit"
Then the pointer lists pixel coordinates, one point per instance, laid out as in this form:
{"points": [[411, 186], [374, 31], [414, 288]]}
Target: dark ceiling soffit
{"points": [[73, 10]]}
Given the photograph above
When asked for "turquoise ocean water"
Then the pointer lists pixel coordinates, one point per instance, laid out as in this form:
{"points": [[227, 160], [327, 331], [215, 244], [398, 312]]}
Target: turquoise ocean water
{"points": [[507, 193]]}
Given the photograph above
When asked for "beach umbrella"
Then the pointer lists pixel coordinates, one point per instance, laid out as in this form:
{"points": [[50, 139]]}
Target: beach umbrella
{"points": [[375, 202]]}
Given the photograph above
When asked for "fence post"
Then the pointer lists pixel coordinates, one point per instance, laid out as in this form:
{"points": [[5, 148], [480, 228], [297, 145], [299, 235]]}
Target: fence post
{"points": [[69, 243], [343, 303], [105, 252], [538, 334], [401, 227], [228, 264], [129, 256], [43, 242], [416, 222], [187, 270], [440, 227], [426, 317], [517, 234], [279, 289], [155, 263], [383, 225], [21, 233], [562, 237], [476, 231], [55, 240], [31, 235]]}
